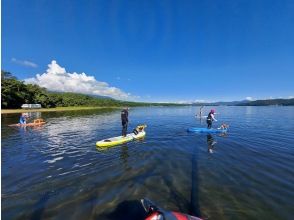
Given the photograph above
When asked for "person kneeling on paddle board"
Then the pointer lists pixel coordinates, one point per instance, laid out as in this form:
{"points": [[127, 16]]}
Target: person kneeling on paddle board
{"points": [[124, 120], [23, 118], [210, 118]]}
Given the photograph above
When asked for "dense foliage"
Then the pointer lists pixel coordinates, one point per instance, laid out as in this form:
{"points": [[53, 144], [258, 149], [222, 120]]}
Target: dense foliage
{"points": [[14, 93]]}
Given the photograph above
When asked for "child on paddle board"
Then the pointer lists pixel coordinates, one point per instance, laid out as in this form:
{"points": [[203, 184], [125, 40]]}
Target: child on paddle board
{"points": [[210, 118]]}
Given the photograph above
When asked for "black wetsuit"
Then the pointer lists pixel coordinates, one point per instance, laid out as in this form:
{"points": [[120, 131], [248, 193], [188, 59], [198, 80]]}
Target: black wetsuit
{"points": [[209, 120], [124, 121]]}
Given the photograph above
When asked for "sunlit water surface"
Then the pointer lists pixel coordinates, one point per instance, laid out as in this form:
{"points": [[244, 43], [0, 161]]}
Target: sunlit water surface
{"points": [[56, 172]]}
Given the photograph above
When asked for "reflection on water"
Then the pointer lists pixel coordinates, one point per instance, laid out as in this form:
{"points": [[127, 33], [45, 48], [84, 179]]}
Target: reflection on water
{"points": [[210, 143], [124, 157], [55, 171]]}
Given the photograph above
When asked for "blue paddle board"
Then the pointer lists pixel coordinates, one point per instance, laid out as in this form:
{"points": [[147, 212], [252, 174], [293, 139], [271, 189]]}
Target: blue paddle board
{"points": [[206, 130]]}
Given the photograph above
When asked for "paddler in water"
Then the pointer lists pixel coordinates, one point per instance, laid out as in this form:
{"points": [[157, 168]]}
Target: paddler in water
{"points": [[23, 118], [210, 118], [200, 112], [125, 120]]}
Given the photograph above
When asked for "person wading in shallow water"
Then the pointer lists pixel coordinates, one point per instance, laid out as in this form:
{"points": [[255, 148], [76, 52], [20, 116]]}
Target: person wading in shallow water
{"points": [[124, 121], [210, 118]]}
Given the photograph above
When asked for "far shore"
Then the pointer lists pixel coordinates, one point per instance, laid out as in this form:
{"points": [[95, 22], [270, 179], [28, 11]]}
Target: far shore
{"points": [[58, 109]]}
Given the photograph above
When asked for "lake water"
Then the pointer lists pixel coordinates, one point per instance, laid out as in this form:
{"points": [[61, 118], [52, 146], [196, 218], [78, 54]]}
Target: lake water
{"points": [[56, 171]]}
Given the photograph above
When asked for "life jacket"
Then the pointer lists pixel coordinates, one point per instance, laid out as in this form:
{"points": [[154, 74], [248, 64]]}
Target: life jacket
{"points": [[209, 117], [156, 213], [168, 215], [135, 131]]}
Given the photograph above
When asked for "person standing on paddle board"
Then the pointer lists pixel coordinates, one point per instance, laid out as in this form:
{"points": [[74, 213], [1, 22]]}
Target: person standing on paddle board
{"points": [[210, 118], [200, 112], [125, 120]]}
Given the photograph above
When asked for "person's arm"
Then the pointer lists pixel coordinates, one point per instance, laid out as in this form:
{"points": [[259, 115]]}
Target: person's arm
{"points": [[213, 118]]}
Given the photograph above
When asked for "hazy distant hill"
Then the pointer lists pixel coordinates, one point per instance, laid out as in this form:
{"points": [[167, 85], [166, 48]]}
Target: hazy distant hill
{"points": [[222, 103], [285, 102]]}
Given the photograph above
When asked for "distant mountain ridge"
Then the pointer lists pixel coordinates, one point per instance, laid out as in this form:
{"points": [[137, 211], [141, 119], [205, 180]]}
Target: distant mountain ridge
{"points": [[284, 102], [265, 102]]}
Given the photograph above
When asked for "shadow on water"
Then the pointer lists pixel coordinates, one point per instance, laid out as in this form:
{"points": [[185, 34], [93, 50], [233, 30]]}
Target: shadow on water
{"points": [[124, 155], [39, 207], [194, 204], [194, 208], [126, 210]]}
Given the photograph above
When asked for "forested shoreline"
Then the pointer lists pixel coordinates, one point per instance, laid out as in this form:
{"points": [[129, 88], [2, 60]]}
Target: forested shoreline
{"points": [[14, 93]]}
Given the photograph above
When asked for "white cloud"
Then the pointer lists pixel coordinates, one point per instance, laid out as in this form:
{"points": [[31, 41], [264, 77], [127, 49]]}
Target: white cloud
{"points": [[57, 79], [291, 97], [24, 63], [190, 101], [179, 102], [249, 98], [200, 100]]}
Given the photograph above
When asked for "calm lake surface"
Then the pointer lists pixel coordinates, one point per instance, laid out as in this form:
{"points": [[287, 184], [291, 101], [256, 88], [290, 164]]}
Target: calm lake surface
{"points": [[56, 171]]}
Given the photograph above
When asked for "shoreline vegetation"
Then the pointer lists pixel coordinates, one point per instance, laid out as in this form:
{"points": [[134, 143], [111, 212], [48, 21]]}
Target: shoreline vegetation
{"points": [[15, 93]]}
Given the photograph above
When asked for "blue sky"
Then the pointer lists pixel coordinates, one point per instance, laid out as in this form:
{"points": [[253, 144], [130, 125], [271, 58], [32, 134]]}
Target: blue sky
{"points": [[153, 50]]}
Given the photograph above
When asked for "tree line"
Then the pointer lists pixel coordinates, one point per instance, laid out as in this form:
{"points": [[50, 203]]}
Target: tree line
{"points": [[14, 93]]}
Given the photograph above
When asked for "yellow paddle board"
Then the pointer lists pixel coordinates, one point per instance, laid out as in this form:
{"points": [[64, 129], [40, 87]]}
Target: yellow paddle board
{"points": [[120, 139]]}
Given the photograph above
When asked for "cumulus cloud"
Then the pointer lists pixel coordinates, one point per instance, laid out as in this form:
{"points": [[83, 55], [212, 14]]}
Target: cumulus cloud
{"points": [[57, 79], [200, 100], [24, 63], [190, 101], [178, 102], [249, 98]]}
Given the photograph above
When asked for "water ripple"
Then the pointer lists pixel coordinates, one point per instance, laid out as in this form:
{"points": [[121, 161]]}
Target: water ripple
{"points": [[57, 168]]}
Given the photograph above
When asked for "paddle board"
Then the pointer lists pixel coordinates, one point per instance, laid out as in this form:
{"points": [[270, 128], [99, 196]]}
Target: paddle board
{"points": [[120, 139], [36, 122], [206, 130]]}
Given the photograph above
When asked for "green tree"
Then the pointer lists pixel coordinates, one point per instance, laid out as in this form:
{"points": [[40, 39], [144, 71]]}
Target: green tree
{"points": [[13, 92]]}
